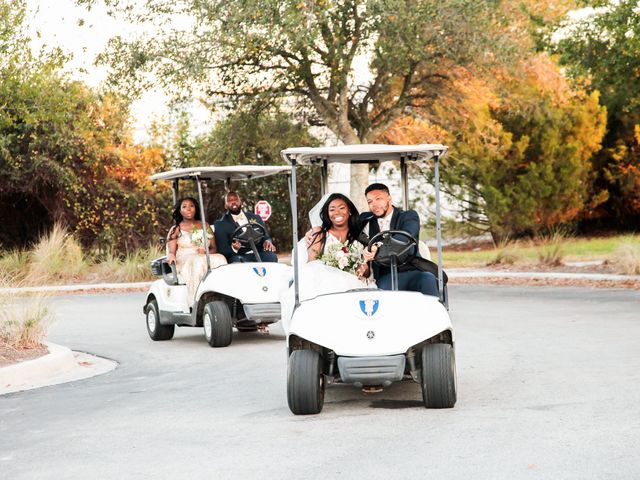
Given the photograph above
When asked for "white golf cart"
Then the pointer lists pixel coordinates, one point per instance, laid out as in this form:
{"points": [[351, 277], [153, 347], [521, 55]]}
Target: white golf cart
{"points": [[369, 337], [241, 295]]}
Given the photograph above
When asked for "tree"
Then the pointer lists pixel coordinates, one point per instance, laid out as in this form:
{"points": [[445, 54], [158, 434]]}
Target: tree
{"points": [[254, 136], [305, 52], [520, 147], [66, 152], [602, 46]]}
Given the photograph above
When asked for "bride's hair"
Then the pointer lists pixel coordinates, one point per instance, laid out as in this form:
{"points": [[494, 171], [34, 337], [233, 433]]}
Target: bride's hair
{"points": [[354, 231], [177, 216]]}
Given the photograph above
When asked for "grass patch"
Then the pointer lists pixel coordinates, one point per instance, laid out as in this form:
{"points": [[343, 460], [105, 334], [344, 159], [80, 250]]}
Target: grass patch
{"points": [[627, 258], [133, 267], [551, 249], [26, 322], [56, 257], [528, 253]]}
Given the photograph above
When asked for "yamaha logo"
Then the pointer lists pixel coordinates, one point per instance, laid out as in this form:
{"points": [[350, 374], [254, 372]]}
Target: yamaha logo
{"points": [[371, 334]]}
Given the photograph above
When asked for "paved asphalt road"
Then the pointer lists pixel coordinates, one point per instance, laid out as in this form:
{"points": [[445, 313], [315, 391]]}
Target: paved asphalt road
{"points": [[548, 380]]}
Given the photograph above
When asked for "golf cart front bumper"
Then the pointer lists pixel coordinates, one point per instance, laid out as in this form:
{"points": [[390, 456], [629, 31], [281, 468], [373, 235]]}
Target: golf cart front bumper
{"points": [[262, 311], [382, 370]]}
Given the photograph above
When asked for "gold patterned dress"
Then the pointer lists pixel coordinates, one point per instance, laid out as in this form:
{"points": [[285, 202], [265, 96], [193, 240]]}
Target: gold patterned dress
{"points": [[191, 265]]}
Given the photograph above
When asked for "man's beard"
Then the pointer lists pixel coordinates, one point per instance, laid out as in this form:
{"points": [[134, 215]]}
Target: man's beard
{"points": [[235, 211]]}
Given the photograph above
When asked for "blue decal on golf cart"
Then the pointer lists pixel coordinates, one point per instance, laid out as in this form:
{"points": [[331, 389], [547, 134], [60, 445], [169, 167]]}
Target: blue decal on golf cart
{"points": [[369, 307], [261, 272]]}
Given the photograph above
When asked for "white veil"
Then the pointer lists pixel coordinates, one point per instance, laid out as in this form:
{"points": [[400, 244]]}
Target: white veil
{"points": [[314, 213]]}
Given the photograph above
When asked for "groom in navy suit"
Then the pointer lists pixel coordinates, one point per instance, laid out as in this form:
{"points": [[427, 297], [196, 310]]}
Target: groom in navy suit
{"points": [[227, 224], [384, 216]]}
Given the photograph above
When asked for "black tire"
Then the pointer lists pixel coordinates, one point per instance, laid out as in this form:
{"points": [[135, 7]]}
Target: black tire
{"points": [[218, 327], [438, 376], [305, 382], [155, 329]]}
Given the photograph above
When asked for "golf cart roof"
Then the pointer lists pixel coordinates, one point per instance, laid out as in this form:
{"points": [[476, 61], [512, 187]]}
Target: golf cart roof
{"points": [[234, 172], [367, 153]]}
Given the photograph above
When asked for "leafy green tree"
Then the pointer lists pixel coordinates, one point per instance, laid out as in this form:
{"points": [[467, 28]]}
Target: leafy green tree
{"points": [[304, 54], [253, 136], [66, 153], [603, 46]]}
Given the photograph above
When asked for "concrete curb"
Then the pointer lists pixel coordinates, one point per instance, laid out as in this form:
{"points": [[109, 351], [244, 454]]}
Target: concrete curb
{"points": [[470, 273], [60, 365], [452, 272], [76, 288]]}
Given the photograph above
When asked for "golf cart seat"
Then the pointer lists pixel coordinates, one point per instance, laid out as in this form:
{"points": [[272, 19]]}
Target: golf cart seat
{"points": [[168, 272]]}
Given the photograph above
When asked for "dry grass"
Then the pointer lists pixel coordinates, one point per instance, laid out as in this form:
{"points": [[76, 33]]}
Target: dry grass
{"points": [[25, 323], [504, 254], [133, 267], [627, 258], [13, 266], [551, 248], [56, 257]]}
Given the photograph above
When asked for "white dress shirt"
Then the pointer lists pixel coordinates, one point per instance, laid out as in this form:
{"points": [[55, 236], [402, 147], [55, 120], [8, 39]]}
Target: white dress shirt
{"points": [[383, 222], [240, 219]]}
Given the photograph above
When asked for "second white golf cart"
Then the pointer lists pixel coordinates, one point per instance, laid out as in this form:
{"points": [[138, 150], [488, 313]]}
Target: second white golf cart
{"points": [[241, 295], [369, 337]]}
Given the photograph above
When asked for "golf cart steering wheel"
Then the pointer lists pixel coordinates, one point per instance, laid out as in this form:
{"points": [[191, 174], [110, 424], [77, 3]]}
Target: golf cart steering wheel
{"points": [[249, 231], [389, 245]]}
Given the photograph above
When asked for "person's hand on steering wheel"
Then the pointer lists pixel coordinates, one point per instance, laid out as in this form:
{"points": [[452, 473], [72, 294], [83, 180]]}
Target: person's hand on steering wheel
{"points": [[370, 254]]}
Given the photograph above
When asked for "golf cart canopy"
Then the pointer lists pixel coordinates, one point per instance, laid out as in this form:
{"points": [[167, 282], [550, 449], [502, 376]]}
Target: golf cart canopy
{"points": [[362, 153], [228, 173]]}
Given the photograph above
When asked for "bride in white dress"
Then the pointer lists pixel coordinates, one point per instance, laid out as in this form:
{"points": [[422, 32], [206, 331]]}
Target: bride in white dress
{"points": [[185, 247], [338, 231]]}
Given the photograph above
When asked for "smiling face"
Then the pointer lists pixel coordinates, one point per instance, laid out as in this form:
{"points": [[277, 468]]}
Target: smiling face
{"points": [[338, 212], [187, 209], [379, 202], [233, 203]]}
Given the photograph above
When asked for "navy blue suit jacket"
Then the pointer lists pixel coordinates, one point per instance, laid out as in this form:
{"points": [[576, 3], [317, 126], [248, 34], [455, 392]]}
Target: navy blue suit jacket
{"points": [[406, 220], [224, 228]]}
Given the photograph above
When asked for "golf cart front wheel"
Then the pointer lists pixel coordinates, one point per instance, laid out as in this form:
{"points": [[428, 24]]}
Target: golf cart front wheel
{"points": [[305, 383], [438, 376], [218, 327], [155, 329]]}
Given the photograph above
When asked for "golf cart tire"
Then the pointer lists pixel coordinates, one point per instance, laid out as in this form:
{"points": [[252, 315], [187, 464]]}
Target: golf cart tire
{"points": [[155, 329], [438, 380], [218, 327], [305, 383]]}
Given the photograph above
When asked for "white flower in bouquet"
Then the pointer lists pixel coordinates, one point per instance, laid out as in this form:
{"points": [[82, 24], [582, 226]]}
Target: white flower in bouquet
{"points": [[197, 236], [343, 256]]}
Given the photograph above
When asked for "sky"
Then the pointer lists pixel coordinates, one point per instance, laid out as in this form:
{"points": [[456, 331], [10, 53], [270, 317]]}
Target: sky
{"points": [[83, 35]]}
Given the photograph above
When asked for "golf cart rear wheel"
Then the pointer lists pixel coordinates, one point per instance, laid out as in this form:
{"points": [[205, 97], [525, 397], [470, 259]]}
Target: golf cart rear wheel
{"points": [[305, 383], [218, 327], [438, 376], [155, 329]]}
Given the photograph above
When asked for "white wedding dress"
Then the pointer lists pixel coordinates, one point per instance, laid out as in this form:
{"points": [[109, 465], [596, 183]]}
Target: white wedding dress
{"points": [[316, 278]]}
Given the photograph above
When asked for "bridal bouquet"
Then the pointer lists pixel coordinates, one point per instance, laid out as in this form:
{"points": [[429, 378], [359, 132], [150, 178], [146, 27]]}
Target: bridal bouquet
{"points": [[343, 256], [197, 236]]}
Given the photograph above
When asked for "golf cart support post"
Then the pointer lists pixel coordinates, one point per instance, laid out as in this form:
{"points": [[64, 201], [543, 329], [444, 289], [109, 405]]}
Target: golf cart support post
{"points": [[372, 154], [225, 174]]}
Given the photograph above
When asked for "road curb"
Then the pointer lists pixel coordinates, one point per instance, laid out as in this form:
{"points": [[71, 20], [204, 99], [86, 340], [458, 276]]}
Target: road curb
{"points": [[60, 365], [59, 360]]}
